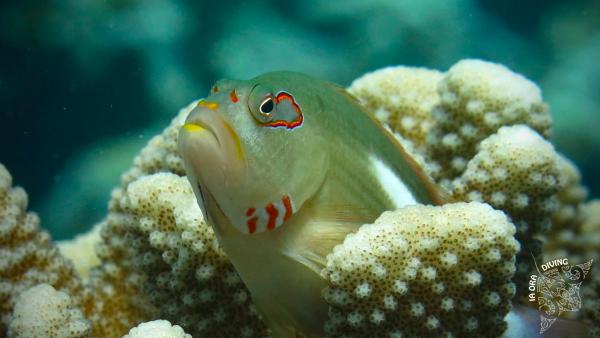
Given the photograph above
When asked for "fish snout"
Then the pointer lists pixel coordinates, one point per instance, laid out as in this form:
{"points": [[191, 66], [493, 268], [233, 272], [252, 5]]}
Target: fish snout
{"points": [[206, 133], [202, 120]]}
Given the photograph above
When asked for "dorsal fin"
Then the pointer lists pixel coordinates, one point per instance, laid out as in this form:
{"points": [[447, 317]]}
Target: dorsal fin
{"points": [[437, 193]]}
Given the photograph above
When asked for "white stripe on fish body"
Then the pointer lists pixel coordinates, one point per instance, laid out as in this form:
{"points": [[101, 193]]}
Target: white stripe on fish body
{"points": [[263, 217], [393, 186], [280, 213]]}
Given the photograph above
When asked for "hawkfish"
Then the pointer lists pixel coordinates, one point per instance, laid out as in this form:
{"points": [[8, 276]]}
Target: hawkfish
{"points": [[284, 166]]}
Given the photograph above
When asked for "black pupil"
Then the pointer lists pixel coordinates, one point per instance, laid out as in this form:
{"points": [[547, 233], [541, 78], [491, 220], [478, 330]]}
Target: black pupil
{"points": [[267, 106]]}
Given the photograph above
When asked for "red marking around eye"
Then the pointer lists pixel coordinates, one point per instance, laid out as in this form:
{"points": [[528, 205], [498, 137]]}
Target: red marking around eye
{"points": [[233, 96], [250, 212], [252, 224], [215, 89], [288, 207], [273, 212], [281, 123]]}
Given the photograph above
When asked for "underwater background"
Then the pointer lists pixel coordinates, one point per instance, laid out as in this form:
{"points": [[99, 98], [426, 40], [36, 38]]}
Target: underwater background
{"points": [[84, 84]]}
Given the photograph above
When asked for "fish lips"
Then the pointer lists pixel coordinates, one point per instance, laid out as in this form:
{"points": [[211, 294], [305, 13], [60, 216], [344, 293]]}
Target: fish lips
{"points": [[212, 147]]}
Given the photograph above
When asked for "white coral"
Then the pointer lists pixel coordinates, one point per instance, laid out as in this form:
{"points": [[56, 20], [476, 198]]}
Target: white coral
{"points": [[42, 311], [80, 250], [515, 170], [157, 329], [437, 261], [27, 255], [401, 97], [174, 252], [477, 98]]}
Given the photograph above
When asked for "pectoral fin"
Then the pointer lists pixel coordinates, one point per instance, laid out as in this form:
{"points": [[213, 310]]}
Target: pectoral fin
{"points": [[314, 237]]}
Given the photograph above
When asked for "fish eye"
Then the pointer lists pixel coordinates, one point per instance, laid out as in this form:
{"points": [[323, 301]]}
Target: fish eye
{"points": [[266, 106]]}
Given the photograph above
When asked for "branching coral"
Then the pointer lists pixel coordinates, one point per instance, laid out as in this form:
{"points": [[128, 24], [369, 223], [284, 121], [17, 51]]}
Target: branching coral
{"points": [[590, 228], [516, 171], [570, 197], [476, 99], [590, 311], [424, 271], [111, 299], [576, 224], [578, 238], [182, 270], [81, 252], [27, 256], [158, 256], [483, 144], [402, 97], [115, 287], [157, 329], [42, 311], [575, 234], [159, 251]]}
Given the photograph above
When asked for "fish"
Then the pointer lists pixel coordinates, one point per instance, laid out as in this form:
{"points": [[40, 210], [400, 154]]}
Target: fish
{"points": [[284, 166]]}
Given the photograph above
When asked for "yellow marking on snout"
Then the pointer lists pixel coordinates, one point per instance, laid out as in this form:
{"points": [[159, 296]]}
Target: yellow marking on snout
{"points": [[236, 140], [209, 105], [193, 127]]}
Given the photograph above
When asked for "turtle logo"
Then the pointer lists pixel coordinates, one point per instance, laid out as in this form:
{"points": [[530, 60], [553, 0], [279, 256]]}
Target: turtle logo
{"points": [[556, 289]]}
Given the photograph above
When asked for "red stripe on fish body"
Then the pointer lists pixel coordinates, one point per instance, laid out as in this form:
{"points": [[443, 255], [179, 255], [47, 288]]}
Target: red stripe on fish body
{"points": [[252, 225], [271, 216], [273, 212]]}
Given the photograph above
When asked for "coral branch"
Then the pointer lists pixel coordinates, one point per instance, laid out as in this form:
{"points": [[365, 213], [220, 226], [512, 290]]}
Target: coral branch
{"points": [[424, 271], [515, 170], [42, 311], [476, 99], [401, 97], [27, 255], [157, 329], [181, 268]]}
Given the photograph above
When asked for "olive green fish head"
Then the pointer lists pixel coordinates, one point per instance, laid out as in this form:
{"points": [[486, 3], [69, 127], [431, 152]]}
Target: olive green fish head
{"points": [[255, 151]]}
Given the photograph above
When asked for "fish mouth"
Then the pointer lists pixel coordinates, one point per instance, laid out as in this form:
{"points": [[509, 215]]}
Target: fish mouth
{"points": [[206, 118], [195, 124], [212, 146]]}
